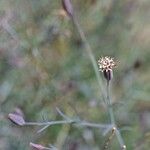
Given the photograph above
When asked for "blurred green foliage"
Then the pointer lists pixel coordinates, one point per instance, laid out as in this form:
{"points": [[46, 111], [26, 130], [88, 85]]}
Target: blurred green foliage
{"points": [[43, 65]]}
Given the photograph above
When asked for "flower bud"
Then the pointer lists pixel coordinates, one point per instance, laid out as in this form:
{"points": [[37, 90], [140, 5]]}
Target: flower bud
{"points": [[17, 119], [37, 146], [67, 7]]}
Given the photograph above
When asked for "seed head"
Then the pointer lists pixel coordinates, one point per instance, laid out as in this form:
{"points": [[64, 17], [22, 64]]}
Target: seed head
{"points": [[106, 65]]}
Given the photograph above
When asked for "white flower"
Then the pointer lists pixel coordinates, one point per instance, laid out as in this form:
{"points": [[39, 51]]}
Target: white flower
{"points": [[106, 64]]}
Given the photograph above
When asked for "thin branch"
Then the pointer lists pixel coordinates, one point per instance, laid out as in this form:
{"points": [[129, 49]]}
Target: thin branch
{"points": [[50, 123], [42, 129], [93, 125], [89, 52], [121, 142], [62, 114], [70, 121], [109, 103]]}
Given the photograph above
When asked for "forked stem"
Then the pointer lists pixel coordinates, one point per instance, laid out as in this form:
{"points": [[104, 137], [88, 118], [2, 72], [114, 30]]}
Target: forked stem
{"points": [[107, 99]]}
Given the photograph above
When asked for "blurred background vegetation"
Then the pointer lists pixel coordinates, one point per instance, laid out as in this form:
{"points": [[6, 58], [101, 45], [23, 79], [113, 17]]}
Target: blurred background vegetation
{"points": [[43, 65]]}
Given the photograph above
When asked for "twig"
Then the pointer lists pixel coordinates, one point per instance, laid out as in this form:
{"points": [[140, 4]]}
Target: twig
{"points": [[49, 123], [62, 114], [45, 127], [67, 120], [109, 103], [89, 51], [70, 121]]}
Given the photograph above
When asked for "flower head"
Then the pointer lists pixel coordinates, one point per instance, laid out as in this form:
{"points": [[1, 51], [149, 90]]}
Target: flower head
{"points": [[106, 64]]}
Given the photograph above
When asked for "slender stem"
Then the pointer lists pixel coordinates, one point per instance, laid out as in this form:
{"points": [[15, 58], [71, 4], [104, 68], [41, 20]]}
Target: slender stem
{"points": [[80, 123], [112, 118], [95, 125], [45, 127], [49, 123], [120, 139], [109, 103], [89, 51]]}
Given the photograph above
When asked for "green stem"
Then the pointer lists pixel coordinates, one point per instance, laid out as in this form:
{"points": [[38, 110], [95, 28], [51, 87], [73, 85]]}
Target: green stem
{"points": [[109, 104], [91, 56]]}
